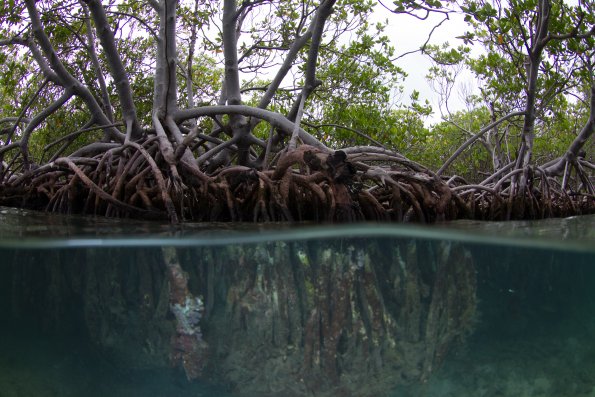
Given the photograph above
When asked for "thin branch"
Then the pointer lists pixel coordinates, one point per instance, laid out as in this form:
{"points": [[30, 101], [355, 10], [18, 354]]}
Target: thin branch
{"points": [[38, 119], [79, 132], [358, 132], [586, 132], [17, 120], [574, 34], [68, 138], [417, 6], [296, 128], [292, 54], [9, 147], [25, 109], [212, 152], [475, 137], [141, 21], [95, 148], [14, 40], [423, 47]]}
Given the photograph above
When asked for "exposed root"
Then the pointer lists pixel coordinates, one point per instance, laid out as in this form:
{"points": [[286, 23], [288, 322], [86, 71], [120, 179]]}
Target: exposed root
{"points": [[308, 183]]}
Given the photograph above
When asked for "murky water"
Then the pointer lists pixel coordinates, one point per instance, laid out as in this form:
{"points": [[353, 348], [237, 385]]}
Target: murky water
{"points": [[465, 309]]}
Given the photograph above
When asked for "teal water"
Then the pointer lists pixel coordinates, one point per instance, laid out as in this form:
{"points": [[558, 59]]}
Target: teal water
{"points": [[460, 309]]}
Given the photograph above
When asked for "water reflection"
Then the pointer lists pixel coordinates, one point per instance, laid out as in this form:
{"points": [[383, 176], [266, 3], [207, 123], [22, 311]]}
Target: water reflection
{"points": [[280, 318], [536, 318], [320, 315]]}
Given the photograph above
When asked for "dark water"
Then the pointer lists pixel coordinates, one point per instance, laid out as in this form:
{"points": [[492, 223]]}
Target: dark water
{"points": [[465, 309], [534, 331]]}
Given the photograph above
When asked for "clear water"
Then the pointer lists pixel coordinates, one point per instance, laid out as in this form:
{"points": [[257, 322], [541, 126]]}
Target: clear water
{"points": [[463, 309]]}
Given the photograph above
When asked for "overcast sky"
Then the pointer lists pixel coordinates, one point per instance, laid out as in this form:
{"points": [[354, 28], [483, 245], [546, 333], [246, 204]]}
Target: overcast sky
{"points": [[407, 34]]}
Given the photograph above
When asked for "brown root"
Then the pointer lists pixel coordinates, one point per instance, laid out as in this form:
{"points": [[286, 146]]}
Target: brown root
{"points": [[308, 183]]}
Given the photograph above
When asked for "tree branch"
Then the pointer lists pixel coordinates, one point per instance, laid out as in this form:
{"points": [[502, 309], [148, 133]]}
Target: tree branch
{"points": [[294, 50], [66, 80], [230, 52], [95, 60], [322, 14], [320, 18], [42, 63], [475, 137], [275, 119], [25, 109], [343, 127], [155, 5], [118, 72], [189, 64], [37, 120], [139, 20], [577, 144], [73, 135], [165, 89], [13, 120]]}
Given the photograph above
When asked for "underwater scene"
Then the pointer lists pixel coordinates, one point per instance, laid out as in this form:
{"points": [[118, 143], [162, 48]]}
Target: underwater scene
{"points": [[101, 307]]}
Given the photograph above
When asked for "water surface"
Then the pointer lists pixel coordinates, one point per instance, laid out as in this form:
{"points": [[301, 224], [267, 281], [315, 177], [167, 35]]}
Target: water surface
{"points": [[478, 309]]}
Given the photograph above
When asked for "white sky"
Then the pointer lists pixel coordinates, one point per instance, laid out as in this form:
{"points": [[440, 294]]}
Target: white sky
{"points": [[407, 34]]}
